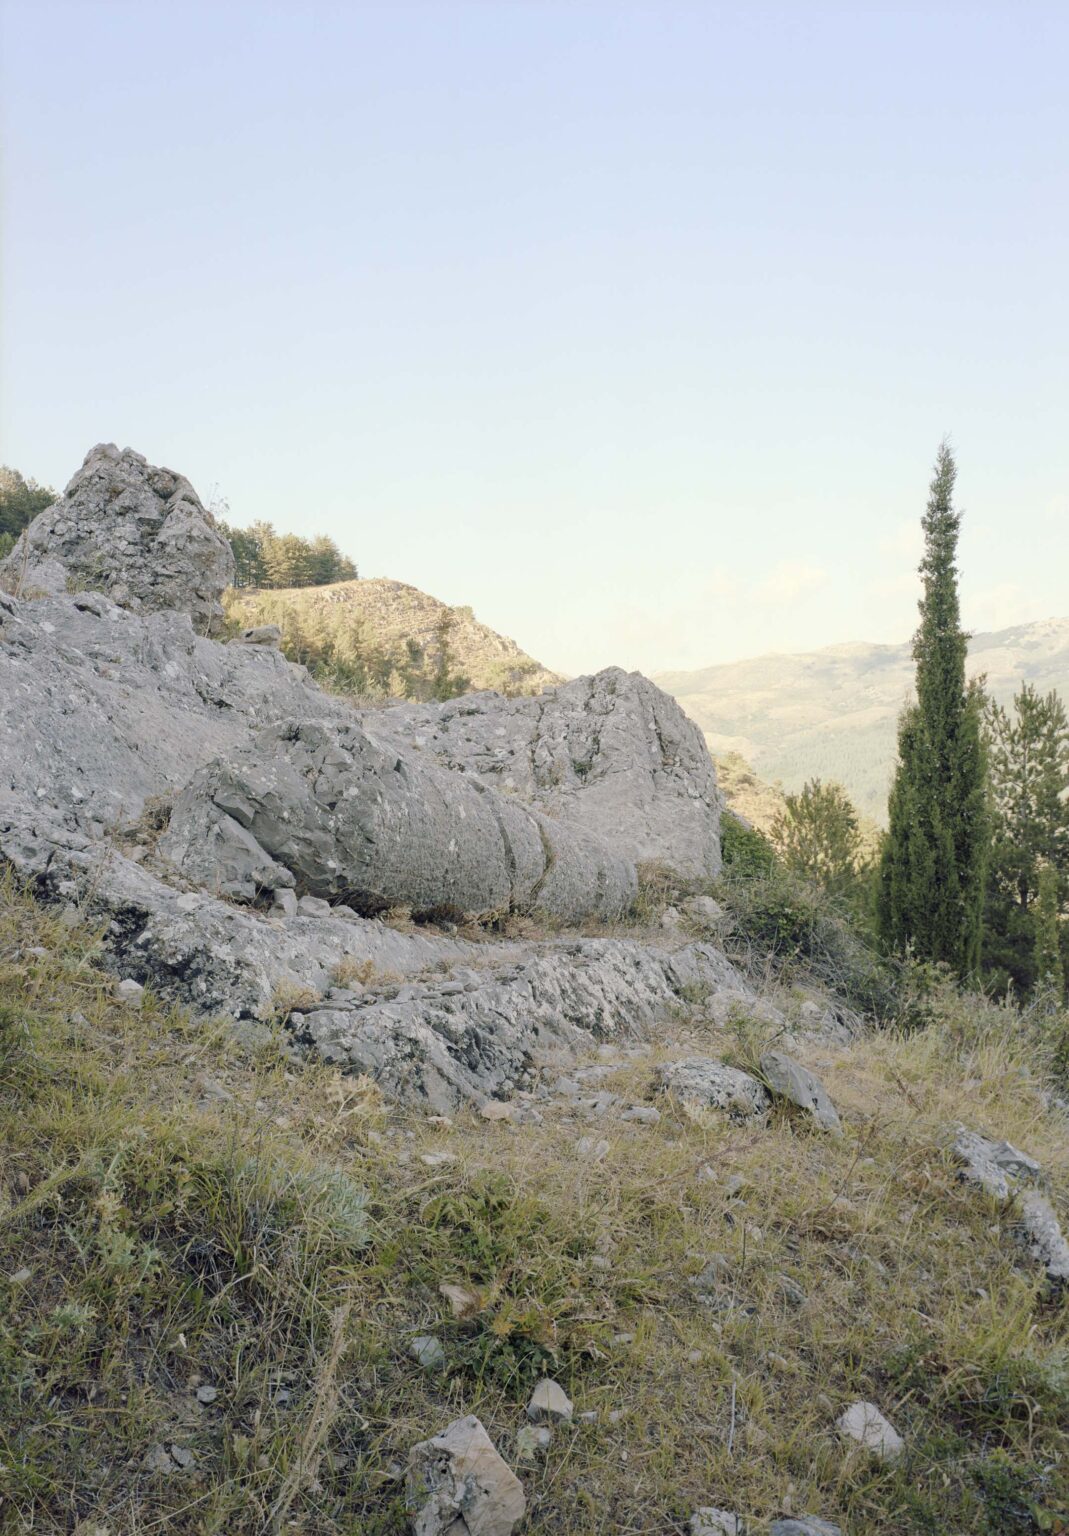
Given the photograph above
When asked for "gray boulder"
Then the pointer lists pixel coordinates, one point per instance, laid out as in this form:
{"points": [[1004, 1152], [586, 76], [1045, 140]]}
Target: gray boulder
{"points": [[789, 1080], [323, 806], [458, 1485], [130, 529], [610, 753], [991, 1164], [1041, 1233], [1001, 1171], [714, 1085]]}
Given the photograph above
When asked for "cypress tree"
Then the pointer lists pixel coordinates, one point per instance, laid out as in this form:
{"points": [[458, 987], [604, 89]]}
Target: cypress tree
{"points": [[932, 870]]}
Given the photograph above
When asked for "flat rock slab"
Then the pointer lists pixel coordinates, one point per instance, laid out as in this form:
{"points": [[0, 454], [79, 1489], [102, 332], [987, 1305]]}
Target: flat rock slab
{"points": [[458, 1485], [865, 1425], [789, 1080], [714, 1085]]}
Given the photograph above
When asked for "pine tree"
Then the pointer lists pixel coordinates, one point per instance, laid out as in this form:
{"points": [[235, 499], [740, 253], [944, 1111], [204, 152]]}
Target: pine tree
{"points": [[20, 501], [818, 837], [1048, 951], [933, 865]]}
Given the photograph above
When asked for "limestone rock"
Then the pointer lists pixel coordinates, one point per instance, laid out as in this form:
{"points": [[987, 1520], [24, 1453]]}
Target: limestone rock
{"points": [[458, 1485], [788, 1079], [132, 530], [427, 1350], [549, 1402], [992, 1164], [716, 1522], [865, 1425], [325, 805], [714, 1085], [260, 634], [1042, 1235], [612, 754]]}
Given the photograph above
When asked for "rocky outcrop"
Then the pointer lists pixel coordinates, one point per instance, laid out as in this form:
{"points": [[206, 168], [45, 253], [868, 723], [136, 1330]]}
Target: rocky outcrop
{"points": [[131, 530], [610, 753], [323, 807], [288, 811], [482, 1030]]}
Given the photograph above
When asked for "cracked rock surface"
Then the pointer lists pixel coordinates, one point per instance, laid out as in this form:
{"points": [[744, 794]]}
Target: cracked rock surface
{"points": [[610, 753], [134, 530], [323, 806]]}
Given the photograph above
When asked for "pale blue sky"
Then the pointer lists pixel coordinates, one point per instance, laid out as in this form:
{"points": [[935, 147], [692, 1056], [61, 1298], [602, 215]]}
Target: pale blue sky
{"points": [[635, 326]]}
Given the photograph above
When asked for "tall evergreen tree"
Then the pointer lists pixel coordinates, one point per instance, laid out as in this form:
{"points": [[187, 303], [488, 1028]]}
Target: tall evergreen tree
{"points": [[931, 884], [1028, 751]]}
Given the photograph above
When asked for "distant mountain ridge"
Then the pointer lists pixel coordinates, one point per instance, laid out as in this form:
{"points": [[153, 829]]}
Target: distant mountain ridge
{"points": [[834, 712]]}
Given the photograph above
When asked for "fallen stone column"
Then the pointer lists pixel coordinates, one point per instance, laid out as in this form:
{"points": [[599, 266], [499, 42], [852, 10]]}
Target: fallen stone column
{"points": [[324, 808]]}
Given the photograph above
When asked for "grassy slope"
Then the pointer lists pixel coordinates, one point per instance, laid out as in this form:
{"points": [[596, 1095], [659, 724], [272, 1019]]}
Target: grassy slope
{"points": [[391, 636], [190, 1214]]}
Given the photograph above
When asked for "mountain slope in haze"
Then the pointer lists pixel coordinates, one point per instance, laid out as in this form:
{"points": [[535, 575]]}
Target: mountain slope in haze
{"points": [[391, 638], [834, 712]]}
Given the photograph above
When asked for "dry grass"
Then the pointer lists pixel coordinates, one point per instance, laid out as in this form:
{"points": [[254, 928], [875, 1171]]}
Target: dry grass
{"points": [[191, 1213]]}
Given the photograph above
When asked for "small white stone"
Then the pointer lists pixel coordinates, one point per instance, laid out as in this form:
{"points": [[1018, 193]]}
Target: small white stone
{"points": [[496, 1109], [130, 992], [549, 1401], [427, 1351], [866, 1425], [715, 1522]]}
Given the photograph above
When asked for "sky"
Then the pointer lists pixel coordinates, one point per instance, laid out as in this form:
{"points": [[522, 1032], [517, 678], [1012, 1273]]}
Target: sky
{"points": [[634, 326]]}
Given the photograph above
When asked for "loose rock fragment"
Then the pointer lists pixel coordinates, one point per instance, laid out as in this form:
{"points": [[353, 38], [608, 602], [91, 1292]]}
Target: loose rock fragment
{"points": [[130, 992], [714, 1085], [992, 1164], [866, 1426], [788, 1079], [427, 1350], [549, 1401], [458, 1485], [716, 1522], [1043, 1237]]}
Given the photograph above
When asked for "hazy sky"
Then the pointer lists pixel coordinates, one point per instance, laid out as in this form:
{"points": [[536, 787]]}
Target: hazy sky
{"points": [[635, 326]]}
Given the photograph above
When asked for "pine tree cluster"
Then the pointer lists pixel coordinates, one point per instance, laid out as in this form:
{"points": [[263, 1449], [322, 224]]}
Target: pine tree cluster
{"points": [[266, 558]]}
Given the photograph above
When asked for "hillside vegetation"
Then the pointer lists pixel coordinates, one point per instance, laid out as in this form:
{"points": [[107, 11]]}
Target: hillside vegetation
{"points": [[833, 713], [377, 639], [215, 1258]]}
